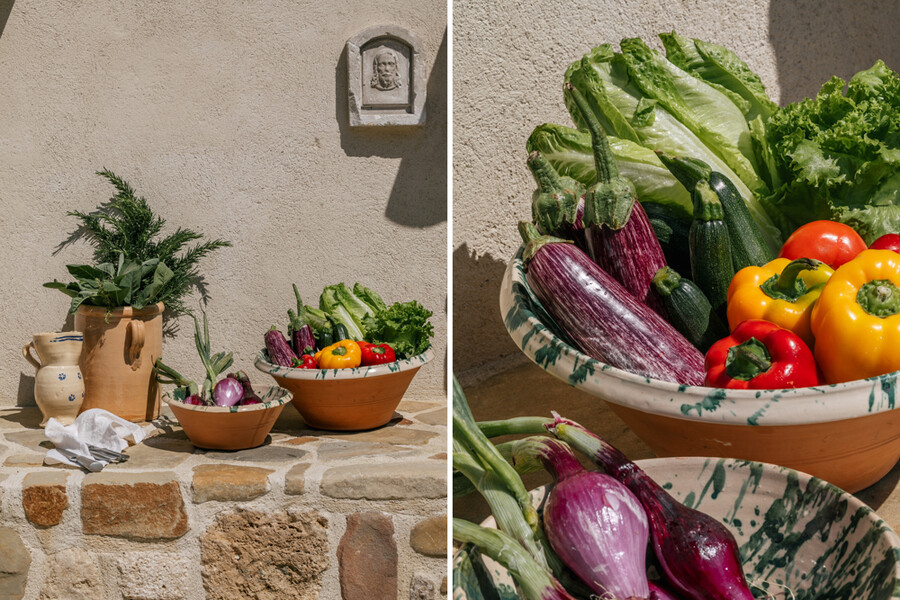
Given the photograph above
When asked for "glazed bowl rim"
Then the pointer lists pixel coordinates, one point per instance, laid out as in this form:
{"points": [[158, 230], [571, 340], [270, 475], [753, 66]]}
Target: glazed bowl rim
{"points": [[284, 396], [406, 364], [807, 403], [854, 504]]}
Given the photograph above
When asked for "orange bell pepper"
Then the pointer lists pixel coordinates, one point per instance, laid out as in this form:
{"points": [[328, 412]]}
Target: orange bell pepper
{"points": [[344, 354], [856, 321], [781, 292]]}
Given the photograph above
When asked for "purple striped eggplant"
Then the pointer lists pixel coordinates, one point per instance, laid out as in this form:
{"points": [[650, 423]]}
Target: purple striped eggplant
{"points": [[618, 234], [601, 317]]}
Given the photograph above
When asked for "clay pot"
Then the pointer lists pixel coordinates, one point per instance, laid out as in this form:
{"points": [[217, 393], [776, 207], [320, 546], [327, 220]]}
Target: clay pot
{"points": [[120, 349], [347, 399], [234, 427], [58, 382]]}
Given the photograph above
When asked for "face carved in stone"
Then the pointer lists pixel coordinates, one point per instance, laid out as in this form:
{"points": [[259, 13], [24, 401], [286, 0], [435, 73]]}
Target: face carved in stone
{"points": [[386, 75]]}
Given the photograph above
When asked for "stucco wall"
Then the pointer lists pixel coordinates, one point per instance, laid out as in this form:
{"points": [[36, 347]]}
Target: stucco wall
{"points": [[231, 118], [508, 62]]}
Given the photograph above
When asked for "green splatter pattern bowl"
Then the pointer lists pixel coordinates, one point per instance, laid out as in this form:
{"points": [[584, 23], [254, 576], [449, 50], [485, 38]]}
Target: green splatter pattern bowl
{"points": [[799, 537], [846, 433], [231, 427]]}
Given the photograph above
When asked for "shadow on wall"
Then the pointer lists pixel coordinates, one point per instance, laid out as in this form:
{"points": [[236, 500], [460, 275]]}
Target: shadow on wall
{"points": [[5, 9], [419, 195], [479, 337], [816, 39]]}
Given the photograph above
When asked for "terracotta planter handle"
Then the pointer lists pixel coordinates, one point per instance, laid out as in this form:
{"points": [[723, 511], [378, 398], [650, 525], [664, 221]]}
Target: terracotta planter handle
{"points": [[26, 352], [136, 331]]}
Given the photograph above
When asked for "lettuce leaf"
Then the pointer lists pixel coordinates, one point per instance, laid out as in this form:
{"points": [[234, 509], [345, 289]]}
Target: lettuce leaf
{"points": [[840, 152], [722, 69], [569, 151], [708, 113], [402, 325]]}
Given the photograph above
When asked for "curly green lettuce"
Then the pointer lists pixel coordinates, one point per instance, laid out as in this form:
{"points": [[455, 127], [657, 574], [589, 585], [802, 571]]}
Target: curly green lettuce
{"points": [[403, 325], [840, 154]]}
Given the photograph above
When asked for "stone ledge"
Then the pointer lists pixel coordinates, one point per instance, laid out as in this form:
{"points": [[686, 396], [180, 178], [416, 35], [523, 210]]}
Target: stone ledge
{"points": [[386, 481]]}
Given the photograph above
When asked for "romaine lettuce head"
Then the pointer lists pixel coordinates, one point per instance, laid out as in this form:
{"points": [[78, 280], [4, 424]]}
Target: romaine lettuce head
{"points": [[341, 305]]}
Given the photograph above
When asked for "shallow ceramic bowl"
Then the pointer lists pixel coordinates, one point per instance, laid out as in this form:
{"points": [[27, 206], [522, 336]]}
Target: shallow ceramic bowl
{"points": [[846, 433], [346, 399], [797, 534], [231, 427]]}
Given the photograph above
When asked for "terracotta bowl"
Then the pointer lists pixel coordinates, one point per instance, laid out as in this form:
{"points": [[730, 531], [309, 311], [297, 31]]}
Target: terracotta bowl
{"points": [[346, 399], [798, 536], [846, 433], [234, 427]]}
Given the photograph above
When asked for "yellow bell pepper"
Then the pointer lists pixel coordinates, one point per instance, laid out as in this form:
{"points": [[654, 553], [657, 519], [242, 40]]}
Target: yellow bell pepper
{"points": [[781, 292], [340, 355], [857, 318]]}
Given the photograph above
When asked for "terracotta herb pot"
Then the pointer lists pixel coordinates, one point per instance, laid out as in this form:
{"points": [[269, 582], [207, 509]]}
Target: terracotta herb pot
{"points": [[58, 383], [346, 399], [234, 427], [120, 349]]}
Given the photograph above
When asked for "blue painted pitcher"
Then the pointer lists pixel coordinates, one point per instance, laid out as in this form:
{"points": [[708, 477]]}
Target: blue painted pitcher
{"points": [[58, 383]]}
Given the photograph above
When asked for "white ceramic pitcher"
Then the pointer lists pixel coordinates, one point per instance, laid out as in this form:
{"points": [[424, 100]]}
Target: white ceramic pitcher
{"points": [[58, 383]]}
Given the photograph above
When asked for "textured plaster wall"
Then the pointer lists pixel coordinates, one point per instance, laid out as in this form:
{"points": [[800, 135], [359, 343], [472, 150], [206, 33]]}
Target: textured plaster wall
{"points": [[509, 57], [231, 118]]}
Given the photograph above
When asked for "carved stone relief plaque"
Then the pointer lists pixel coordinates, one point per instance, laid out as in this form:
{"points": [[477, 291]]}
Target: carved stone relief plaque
{"points": [[386, 77]]}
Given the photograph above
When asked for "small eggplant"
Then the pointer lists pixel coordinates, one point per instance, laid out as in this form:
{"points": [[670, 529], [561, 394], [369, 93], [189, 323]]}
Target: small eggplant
{"points": [[249, 396], [279, 350]]}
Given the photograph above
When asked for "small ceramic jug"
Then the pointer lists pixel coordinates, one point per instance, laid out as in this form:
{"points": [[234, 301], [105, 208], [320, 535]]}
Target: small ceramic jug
{"points": [[58, 383]]}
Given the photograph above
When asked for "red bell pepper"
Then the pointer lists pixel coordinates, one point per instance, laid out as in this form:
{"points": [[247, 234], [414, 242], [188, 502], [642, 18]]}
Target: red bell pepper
{"points": [[307, 361], [889, 241], [377, 354], [761, 355]]}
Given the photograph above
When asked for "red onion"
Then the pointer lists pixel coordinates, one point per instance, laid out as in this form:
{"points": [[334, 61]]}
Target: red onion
{"points": [[228, 392], [194, 399], [697, 553], [594, 523]]}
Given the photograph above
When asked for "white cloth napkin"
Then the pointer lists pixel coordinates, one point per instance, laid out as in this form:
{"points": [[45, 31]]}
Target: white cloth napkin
{"points": [[96, 427]]}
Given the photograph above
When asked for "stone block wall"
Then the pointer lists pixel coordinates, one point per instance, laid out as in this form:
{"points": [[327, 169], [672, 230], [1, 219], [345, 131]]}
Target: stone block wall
{"points": [[311, 515]]}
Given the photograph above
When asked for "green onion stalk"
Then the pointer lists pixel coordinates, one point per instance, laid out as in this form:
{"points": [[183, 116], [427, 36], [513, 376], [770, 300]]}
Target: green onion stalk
{"points": [[497, 480], [533, 580]]}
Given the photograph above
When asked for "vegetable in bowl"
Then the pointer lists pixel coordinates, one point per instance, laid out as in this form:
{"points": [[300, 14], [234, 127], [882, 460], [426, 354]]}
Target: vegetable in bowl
{"points": [[399, 331], [232, 390], [721, 528]]}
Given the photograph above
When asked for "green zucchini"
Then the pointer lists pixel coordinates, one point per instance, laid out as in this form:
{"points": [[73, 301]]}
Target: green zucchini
{"points": [[671, 227], [710, 248], [748, 246], [688, 309], [339, 332]]}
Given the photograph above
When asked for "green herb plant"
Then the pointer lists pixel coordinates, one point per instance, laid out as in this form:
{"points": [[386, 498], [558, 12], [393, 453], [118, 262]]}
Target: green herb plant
{"points": [[134, 265]]}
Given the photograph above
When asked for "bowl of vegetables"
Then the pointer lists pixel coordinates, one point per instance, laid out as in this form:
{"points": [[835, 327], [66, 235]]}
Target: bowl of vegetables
{"points": [[789, 527], [223, 412], [237, 427], [687, 527], [706, 268], [349, 362]]}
